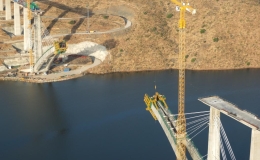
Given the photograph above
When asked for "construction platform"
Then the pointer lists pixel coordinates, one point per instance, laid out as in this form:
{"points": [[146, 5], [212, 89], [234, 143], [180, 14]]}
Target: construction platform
{"points": [[232, 111]]}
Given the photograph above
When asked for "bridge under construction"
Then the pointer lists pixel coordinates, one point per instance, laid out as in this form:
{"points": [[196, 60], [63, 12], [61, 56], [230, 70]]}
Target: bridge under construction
{"points": [[160, 111], [38, 42], [175, 125]]}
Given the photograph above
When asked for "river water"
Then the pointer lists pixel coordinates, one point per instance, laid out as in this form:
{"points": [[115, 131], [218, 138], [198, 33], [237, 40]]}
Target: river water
{"points": [[100, 117]]}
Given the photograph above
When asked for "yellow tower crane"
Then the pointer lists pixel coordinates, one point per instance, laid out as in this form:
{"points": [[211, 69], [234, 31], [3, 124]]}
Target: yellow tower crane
{"points": [[30, 30], [181, 120]]}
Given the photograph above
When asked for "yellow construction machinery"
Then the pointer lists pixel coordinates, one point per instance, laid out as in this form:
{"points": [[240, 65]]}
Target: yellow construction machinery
{"points": [[181, 120], [153, 100], [60, 47]]}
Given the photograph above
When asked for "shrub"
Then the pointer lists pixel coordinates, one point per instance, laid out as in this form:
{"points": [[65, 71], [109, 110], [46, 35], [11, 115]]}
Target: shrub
{"points": [[145, 12], [248, 63], [215, 39], [121, 50], [72, 22], [105, 16], [154, 29], [186, 56], [193, 59], [169, 15], [202, 31]]}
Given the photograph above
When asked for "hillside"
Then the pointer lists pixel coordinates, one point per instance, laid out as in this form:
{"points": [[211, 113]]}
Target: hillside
{"points": [[152, 44], [221, 35]]}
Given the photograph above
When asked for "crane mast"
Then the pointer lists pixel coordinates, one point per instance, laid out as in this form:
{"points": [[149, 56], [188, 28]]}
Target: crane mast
{"points": [[181, 120]]}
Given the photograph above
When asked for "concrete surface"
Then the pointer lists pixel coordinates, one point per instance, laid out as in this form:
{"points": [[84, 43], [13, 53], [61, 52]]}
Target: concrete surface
{"points": [[88, 49], [26, 30], [37, 38], [73, 72], [11, 31], [8, 13], [17, 61], [3, 68], [17, 20], [255, 145], [1, 5], [166, 131], [232, 111], [214, 134], [18, 46], [128, 24]]}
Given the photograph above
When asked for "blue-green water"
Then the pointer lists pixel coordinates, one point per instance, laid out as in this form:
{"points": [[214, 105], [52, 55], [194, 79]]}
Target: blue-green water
{"points": [[100, 117]]}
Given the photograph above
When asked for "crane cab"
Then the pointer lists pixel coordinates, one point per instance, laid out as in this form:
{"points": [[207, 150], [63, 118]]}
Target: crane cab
{"points": [[34, 6], [60, 47]]}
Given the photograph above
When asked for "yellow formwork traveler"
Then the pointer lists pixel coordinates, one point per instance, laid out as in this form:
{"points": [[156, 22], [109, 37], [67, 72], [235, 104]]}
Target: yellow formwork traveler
{"points": [[60, 47]]}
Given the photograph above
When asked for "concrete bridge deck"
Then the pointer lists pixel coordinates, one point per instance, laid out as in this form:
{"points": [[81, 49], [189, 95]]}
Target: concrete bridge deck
{"points": [[168, 123], [232, 111]]}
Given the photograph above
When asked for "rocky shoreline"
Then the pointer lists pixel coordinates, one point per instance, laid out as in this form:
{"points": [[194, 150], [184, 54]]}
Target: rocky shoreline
{"points": [[69, 77], [39, 80]]}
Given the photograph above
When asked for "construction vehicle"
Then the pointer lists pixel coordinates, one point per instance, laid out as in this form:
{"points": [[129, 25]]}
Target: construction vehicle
{"points": [[60, 47]]}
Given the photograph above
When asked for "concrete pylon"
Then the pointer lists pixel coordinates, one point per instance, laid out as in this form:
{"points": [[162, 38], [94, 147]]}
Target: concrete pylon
{"points": [[37, 37], [1, 5], [26, 30], [214, 134], [17, 19], [8, 14], [255, 145]]}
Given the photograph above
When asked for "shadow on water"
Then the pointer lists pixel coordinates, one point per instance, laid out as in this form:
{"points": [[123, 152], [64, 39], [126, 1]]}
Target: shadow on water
{"points": [[41, 117], [57, 123]]}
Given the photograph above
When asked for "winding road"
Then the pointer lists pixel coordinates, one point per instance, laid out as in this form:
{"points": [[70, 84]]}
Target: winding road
{"points": [[69, 73], [96, 62]]}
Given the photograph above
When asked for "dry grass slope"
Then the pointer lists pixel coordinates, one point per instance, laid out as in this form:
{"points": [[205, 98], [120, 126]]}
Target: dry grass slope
{"points": [[221, 35], [229, 39]]}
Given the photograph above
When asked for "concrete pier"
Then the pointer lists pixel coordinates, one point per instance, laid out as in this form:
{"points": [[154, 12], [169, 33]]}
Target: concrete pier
{"points": [[242, 116], [255, 145], [8, 14], [1, 5], [214, 134], [37, 37], [232, 111], [17, 20], [26, 31]]}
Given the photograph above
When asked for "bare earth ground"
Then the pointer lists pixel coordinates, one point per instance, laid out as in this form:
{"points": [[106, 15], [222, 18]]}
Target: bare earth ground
{"points": [[152, 42]]}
